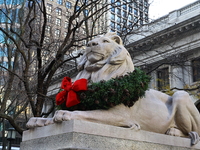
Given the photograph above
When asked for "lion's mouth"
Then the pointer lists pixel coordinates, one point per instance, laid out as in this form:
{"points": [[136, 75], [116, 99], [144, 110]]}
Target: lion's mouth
{"points": [[93, 57]]}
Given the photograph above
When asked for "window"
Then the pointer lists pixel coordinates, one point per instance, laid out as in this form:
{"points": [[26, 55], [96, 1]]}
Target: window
{"points": [[118, 19], [130, 17], [11, 2], [145, 3], [135, 11], [84, 42], [78, 30], [113, 9], [146, 10], [48, 18], [141, 22], [66, 24], [65, 34], [130, 24], [112, 16], [124, 29], [86, 12], [48, 29], [146, 18], [124, 20], [77, 8], [112, 24], [130, 9], [12, 14], [163, 78], [60, 2], [58, 22], [112, 1], [118, 11], [135, 5], [124, 14], [118, 27], [4, 64], [141, 7], [141, 14], [196, 70], [46, 39], [135, 19], [2, 53], [69, 5], [135, 27], [49, 7], [2, 15], [124, 6], [57, 32], [58, 11], [68, 14], [118, 3], [85, 1]]}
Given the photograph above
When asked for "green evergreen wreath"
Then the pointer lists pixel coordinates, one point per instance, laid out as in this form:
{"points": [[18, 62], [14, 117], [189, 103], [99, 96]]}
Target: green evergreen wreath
{"points": [[125, 89]]}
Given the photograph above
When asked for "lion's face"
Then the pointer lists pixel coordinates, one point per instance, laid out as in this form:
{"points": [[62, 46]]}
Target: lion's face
{"points": [[105, 58], [100, 48]]}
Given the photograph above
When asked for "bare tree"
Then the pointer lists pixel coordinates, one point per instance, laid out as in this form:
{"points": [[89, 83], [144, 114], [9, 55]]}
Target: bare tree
{"points": [[33, 51]]}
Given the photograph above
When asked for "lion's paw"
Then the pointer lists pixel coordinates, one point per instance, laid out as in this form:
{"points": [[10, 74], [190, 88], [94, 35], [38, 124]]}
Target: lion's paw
{"points": [[31, 123], [36, 122], [62, 115], [49, 121], [174, 132]]}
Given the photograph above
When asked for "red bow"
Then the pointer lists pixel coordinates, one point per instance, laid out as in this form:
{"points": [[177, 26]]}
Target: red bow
{"points": [[69, 94]]}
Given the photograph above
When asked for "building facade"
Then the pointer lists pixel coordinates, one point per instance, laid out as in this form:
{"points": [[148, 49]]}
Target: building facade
{"points": [[125, 15], [169, 50], [117, 16]]}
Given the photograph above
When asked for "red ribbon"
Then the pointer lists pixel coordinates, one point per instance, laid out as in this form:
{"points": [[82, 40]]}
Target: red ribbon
{"points": [[69, 94]]}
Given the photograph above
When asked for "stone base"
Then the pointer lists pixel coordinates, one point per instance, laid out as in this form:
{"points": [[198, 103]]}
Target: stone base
{"points": [[83, 135]]}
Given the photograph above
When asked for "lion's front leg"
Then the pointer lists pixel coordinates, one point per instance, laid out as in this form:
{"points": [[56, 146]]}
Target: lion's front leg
{"points": [[64, 115], [109, 117]]}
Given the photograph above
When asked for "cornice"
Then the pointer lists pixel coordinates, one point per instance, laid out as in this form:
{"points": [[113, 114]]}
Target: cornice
{"points": [[173, 31]]}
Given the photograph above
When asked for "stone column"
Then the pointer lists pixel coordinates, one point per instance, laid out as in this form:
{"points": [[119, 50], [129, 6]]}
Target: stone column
{"points": [[177, 77]]}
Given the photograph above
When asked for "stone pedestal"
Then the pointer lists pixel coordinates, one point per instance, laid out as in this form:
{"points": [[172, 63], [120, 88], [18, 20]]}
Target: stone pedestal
{"points": [[83, 135]]}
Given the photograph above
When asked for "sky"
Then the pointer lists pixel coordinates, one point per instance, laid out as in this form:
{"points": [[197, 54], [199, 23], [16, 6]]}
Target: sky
{"points": [[159, 8]]}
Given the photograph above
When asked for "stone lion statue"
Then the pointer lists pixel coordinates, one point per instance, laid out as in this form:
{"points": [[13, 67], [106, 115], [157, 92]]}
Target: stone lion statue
{"points": [[106, 58]]}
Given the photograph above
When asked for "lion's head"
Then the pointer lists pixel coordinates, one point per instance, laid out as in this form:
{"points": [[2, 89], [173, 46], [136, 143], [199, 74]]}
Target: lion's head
{"points": [[105, 57]]}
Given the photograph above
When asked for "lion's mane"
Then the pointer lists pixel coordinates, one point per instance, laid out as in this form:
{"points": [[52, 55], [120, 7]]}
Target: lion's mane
{"points": [[104, 58]]}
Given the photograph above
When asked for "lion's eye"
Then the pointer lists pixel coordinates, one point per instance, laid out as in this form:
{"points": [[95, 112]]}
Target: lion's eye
{"points": [[105, 41]]}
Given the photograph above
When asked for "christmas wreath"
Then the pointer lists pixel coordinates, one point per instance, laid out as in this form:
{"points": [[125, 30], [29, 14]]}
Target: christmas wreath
{"points": [[125, 89]]}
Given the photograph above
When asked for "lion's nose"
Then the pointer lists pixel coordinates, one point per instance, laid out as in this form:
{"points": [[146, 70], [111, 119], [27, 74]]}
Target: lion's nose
{"points": [[92, 43]]}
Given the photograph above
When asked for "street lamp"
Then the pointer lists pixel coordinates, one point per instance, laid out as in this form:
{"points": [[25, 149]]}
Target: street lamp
{"points": [[11, 136]]}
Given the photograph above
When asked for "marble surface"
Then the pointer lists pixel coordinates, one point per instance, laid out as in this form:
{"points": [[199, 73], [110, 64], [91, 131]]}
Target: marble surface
{"points": [[81, 135]]}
